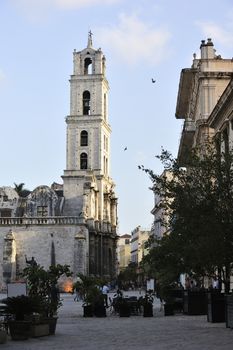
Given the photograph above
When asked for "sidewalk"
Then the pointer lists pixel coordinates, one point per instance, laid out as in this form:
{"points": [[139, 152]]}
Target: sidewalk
{"points": [[133, 333]]}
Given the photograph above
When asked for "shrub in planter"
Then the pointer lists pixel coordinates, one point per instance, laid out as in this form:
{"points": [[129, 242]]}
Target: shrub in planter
{"points": [[147, 303], [43, 283], [21, 309], [93, 304]]}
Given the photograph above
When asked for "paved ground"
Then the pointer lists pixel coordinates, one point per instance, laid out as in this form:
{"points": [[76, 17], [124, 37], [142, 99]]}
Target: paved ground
{"points": [[133, 333]]}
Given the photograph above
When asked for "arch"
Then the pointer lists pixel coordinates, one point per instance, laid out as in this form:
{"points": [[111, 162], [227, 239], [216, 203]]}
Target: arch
{"points": [[83, 161], [86, 102], [87, 65], [84, 138]]}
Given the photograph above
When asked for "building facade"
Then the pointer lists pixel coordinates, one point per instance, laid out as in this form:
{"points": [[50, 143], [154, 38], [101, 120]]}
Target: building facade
{"points": [[139, 237], [160, 226], [73, 223], [200, 90], [123, 252], [205, 102]]}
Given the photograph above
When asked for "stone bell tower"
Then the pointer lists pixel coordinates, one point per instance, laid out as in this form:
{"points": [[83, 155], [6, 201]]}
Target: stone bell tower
{"points": [[88, 189]]}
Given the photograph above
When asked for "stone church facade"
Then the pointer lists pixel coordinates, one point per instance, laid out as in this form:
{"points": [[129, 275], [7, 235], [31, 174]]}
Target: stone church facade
{"points": [[75, 222]]}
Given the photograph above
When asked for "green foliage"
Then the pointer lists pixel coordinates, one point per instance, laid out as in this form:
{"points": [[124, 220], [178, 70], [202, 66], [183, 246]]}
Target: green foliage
{"points": [[43, 284], [90, 288], [197, 203], [129, 274], [22, 305]]}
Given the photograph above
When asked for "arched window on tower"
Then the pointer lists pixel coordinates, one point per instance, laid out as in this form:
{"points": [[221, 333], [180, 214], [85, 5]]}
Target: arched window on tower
{"points": [[84, 138], [86, 102], [83, 161], [87, 65]]}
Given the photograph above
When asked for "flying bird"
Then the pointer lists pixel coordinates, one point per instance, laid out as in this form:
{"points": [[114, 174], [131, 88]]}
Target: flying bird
{"points": [[153, 80], [125, 149]]}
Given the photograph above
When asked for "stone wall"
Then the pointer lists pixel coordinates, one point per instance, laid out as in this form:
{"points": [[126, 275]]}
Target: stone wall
{"points": [[68, 242]]}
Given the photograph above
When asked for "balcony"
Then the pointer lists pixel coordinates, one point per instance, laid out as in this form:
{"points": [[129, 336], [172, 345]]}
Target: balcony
{"points": [[48, 220]]}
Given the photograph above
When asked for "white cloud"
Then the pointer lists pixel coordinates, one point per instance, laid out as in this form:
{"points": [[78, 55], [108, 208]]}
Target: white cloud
{"points": [[221, 34], [134, 41]]}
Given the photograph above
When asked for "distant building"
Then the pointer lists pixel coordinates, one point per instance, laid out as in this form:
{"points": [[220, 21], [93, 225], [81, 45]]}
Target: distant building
{"points": [[75, 222], [123, 251], [139, 237], [160, 224]]}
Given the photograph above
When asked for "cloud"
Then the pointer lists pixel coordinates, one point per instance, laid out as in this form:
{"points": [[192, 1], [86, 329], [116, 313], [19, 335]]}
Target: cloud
{"points": [[222, 34], [135, 41]]}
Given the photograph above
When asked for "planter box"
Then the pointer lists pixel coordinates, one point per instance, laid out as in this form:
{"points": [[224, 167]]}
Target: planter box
{"points": [[88, 311], [177, 296], [39, 330], [229, 310], [195, 302], [168, 309], [3, 336], [148, 310], [19, 330], [52, 321], [215, 307], [124, 310], [99, 310]]}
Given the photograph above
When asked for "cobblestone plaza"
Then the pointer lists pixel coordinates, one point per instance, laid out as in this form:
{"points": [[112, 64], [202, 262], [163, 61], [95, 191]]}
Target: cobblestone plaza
{"points": [[135, 332]]}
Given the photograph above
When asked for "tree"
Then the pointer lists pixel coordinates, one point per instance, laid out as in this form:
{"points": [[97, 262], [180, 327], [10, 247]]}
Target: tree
{"points": [[129, 274], [198, 204], [19, 188], [43, 284]]}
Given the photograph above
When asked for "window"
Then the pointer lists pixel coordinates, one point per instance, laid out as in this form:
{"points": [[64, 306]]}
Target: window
{"points": [[106, 144], [83, 161], [42, 211], [226, 140], [5, 198], [84, 138], [87, 66], [86, 102], [5, 213]]}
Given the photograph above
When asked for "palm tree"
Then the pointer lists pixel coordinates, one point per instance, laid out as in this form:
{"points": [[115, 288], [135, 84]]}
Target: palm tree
{"points": [[22, 192]]}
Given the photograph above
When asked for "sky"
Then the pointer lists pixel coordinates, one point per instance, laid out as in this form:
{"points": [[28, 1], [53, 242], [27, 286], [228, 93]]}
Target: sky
{"points": [[141, 39]]}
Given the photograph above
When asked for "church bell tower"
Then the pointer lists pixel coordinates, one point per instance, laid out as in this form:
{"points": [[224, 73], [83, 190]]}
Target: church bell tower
{"points": [[88, 188]]}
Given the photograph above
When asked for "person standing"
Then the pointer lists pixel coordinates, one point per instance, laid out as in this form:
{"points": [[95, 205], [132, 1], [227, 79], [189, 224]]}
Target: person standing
{"points": [[105, 291]]}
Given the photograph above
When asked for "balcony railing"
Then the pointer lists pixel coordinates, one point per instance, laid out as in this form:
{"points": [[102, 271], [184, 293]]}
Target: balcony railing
{"points": [[48, 220]]}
